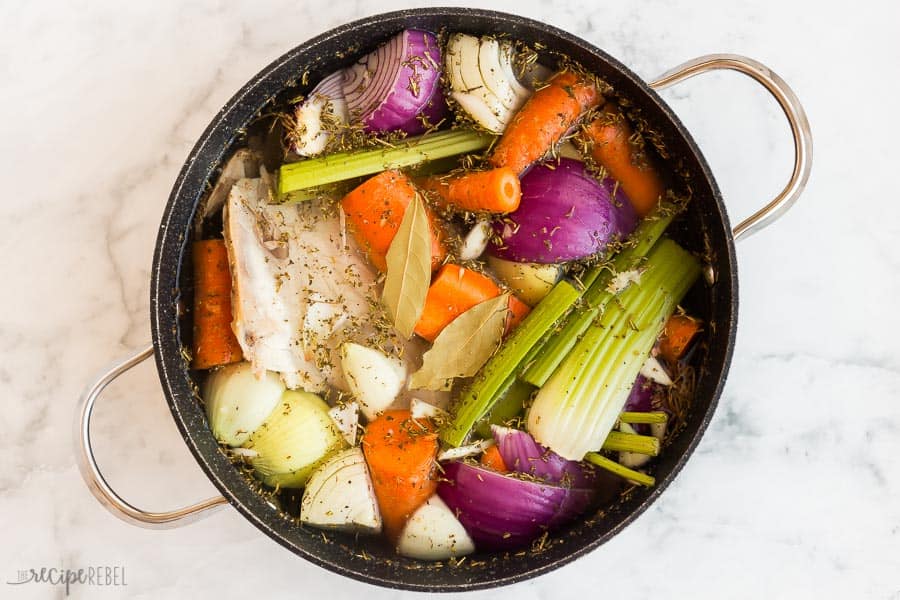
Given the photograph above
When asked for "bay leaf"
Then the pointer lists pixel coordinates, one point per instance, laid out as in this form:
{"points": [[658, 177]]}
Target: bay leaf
{"points": [[408, 269], [464, 345]]}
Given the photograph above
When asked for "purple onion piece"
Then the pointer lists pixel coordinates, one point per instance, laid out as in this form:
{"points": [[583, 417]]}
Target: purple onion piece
{"points": [[387, 89], [565, 214], [521, 453], [502, 512], [640, 399]]}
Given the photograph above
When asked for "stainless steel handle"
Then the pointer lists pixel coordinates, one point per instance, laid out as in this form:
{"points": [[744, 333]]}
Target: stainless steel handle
{"points": [[92, 476], [794, 112]]}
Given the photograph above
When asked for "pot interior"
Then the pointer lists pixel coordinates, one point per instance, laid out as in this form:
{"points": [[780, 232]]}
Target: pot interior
{"points": [[703, 229]]}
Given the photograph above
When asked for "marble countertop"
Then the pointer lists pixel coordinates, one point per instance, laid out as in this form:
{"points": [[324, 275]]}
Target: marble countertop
{"points": [[794, 492]]}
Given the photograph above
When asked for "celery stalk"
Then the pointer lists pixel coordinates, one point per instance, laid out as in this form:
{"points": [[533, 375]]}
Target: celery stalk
{"points": [[614, 467], [618, 441], [499, 373], [643, 417], [339, 166], [598, 295], [578, 406], [508, 406]]}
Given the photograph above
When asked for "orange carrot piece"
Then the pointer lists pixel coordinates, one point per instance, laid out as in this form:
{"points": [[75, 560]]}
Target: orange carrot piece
{"points": [[374, 211], [544, 120], [677, 335], [214, 341], [611, 148], [453, 291], [495, 191], [518, 310], [492, 459], [401, 454]]}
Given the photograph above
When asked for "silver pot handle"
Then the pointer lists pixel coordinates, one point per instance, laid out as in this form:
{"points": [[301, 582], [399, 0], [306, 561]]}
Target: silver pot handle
{"points": [[92, 476], [794, 112]]}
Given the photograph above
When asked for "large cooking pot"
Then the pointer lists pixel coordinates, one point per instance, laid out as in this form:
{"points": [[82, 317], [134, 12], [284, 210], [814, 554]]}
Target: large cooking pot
{"points": [[705, 226]]}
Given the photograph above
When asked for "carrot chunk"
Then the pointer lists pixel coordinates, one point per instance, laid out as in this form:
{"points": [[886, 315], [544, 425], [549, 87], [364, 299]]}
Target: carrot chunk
{"points": [[677, 336], [609, 136], [214, 341], [492, 459], [453, 291], [401, 454], [374, 211], [544, 120], [495, 191]]}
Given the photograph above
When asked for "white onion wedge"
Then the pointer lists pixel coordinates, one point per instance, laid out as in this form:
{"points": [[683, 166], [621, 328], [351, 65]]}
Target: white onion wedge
{"points": [[434, 533], [483, 81], [339, 495], [293, 440], [654, 371], [374, 378], [346, 419], [419, 409], [237, 402]]}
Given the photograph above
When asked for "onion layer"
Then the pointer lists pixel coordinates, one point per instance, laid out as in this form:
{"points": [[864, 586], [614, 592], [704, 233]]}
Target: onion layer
{"points": [[524, 455], [565, 214], [501, 511], [390, 88]]}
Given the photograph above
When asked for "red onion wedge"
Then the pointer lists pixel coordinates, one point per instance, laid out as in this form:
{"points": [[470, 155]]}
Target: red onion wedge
{"points": [[524, 455], [565, 214], [503, 512], [388, 89]]}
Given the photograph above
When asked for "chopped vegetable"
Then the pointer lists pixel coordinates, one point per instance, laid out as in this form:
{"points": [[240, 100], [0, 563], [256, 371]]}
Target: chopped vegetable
{"points": [[339, 495], [375, 212], [566, 214], [214, 341], [346, 419], [237, 401], [388, 89], [465, 451], [529, 281], [496, 191], [455, 290], [419, 409], [400, 452], [677, 336], [610, 139], [464, 345], [522, 454], [408, 269], [544, 119], [476, 241], [654, 371], [482, 79], [576, 409], [434, 533], [492, 459], [503, 511], [309, 133], [340, 166], [629, 441], [643, 417], [620, 470], [296, 437], [508, 407], [375, 379]]}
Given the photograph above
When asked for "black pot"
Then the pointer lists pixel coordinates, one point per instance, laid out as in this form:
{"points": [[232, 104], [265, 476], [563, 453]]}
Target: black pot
{"points": [[704, 228]]}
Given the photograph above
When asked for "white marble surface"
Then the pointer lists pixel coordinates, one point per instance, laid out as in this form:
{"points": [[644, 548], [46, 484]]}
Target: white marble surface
{"points": [[793, 493]]}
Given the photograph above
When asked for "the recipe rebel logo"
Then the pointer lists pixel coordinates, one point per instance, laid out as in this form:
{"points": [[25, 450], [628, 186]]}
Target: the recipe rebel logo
{"points": [[95, 576]]}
